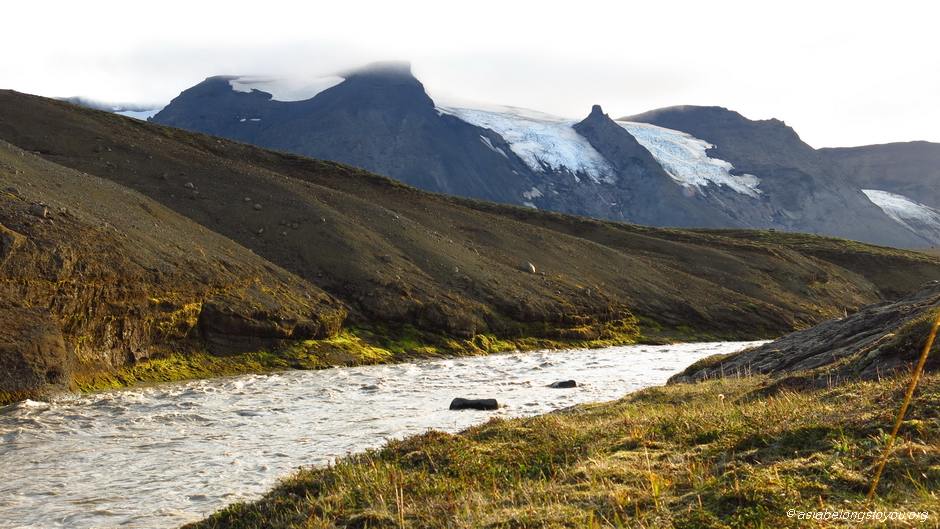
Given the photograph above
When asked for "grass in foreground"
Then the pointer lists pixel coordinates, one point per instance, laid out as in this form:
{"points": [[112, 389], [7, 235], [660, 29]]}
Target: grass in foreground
{"points": [[708, 455]]}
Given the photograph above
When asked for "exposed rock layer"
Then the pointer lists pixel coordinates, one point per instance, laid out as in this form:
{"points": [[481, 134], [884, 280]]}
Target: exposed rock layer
{"points": [[871, 343]]}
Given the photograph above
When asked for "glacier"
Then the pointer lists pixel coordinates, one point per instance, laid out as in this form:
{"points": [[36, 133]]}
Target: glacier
{"points": [[284, 89], [912, 215], [540, 140], [684, 157], [545, 141]]}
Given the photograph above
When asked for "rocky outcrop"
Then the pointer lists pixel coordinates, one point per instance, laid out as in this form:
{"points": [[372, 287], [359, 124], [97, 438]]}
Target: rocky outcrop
{"points": [[227, 324], [34, 359], [873, 342]]}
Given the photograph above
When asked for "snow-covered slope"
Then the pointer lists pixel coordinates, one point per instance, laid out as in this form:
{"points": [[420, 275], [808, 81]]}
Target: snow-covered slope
{"points": [[542, 141], [285, 89], [913, 215], [684, 158]]}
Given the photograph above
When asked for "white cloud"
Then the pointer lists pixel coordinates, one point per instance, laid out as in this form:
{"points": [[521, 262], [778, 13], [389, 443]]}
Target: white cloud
{"points": [[841, 73]]}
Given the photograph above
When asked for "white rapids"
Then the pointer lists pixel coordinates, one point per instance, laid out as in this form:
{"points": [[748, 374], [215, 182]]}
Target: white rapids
{"points": [[165, 455]]}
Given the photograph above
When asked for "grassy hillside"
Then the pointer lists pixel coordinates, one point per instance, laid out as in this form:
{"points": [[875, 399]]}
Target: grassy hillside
{"points": [[98, 277], [710, 455], [414, 273]]}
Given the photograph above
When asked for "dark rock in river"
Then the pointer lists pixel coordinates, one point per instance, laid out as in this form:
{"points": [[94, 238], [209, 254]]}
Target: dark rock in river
{"points": [[563, 384], [474, 404]]}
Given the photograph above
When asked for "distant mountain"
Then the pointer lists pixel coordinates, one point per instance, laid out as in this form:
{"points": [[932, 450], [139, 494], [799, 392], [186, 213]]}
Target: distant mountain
{"points": [[679, 166], [137, 111], [801, 190], [901, 178], [911, 169]]}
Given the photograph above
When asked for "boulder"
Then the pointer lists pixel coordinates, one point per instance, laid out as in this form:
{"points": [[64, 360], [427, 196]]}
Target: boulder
{"points": [[874, 342], [563, 384], [39, 210], [33, 357], [474, 404]]}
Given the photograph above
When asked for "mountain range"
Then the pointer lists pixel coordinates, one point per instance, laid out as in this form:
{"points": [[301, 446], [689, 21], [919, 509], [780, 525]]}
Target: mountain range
{"points": [[683, 166]]}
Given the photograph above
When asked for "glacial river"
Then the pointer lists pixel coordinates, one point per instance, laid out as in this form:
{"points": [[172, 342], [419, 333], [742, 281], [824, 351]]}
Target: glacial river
{"points": [[164, 455]]}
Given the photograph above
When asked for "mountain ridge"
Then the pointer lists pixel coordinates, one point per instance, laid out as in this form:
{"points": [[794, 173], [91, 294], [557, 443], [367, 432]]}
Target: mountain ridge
{"points": [[381, 118]]}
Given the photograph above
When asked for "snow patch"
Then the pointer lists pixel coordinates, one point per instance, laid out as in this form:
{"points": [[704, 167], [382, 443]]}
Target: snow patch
{"points": [[542, 141], [912, 215], [684, 158], [532, 193], [486, 141], [284, 89]]}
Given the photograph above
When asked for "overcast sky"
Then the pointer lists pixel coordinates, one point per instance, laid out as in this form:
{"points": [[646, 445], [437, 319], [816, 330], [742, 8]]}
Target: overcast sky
{"points": [[841, 73]]}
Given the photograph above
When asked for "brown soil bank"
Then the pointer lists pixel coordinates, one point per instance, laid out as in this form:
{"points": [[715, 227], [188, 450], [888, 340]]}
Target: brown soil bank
{"points": [[157, 241]]}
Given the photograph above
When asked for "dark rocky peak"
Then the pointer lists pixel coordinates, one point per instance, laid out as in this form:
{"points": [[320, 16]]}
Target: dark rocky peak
{"points": [[597, 119], [385, 71], [612, 140]]}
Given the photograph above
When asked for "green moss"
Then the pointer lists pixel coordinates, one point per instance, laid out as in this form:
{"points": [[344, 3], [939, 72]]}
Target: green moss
{"points": [[179, 367]]}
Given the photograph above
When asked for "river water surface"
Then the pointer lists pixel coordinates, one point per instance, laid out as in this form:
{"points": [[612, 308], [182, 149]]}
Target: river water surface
{"points": [[165, 455]]}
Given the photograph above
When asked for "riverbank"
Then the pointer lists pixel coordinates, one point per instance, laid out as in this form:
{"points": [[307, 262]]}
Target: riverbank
{"points": [[351, 347], [716, 454]]}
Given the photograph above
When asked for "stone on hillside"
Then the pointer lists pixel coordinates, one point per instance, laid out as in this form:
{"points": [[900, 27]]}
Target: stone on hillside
{"points": [[39, 210]]}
